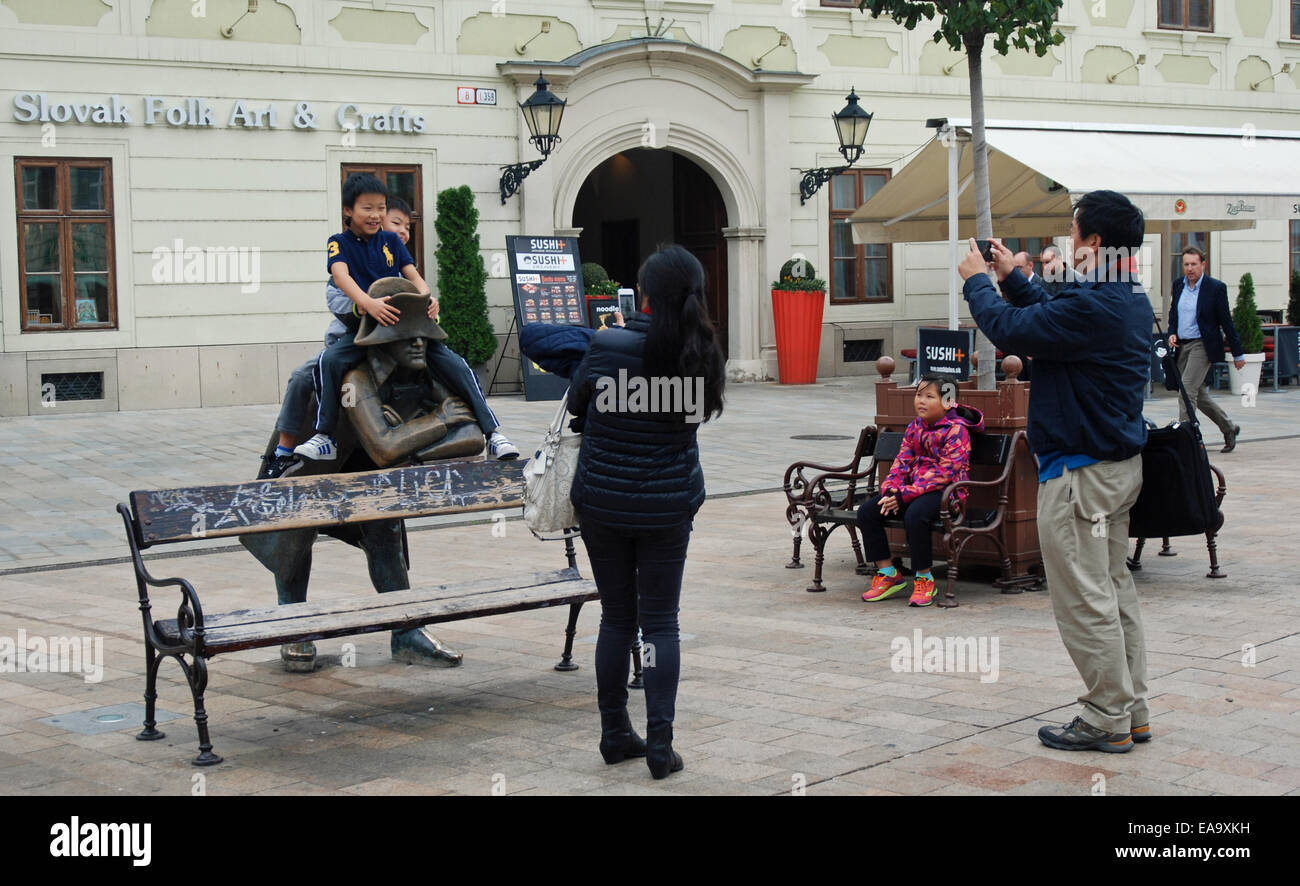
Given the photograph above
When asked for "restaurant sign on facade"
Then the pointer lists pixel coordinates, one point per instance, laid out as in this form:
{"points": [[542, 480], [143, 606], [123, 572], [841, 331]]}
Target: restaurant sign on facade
{"points": [[198, 113]]}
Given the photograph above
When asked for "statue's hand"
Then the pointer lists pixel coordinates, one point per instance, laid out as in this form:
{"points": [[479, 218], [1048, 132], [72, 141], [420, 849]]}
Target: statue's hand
{"points": [[453, 412], [391, 416]]}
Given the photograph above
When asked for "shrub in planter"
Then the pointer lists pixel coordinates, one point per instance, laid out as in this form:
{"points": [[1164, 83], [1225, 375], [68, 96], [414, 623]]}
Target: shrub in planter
{"points": [[799, 275], [593, 275], [798, 321], [1293, 306], [1245, 316], [462, 279]]}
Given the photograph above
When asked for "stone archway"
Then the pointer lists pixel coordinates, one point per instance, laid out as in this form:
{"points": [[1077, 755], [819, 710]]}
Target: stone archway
{"points": [[691, 101], [638, 199]]}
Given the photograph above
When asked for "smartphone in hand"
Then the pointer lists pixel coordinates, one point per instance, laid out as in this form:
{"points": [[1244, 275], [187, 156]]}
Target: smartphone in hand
{"points": [[985, 248]]}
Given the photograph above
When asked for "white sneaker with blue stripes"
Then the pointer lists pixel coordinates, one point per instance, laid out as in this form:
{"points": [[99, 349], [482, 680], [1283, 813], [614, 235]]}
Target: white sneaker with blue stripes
{"points": [[500, 448], [318, 448]]}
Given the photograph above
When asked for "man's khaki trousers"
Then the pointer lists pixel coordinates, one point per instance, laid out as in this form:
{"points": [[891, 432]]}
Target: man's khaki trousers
{"points": [[1194, 363], [1083, 532]]}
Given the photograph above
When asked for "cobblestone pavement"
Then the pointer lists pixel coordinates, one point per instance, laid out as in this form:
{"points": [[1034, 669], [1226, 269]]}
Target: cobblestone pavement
{"points": [[64, 475], [781, 690]]}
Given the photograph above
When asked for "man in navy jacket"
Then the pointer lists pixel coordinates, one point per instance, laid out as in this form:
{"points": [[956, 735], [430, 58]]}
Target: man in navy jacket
{"points": [[1198, 312], [1090, 346]]}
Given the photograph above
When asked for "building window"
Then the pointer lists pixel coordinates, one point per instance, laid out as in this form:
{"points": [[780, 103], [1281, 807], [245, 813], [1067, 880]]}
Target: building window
{"points": [[1187, 15], [1032, 245], [1295, 247], [1295, 19], [841, 4], [402, 181], [65, 244], [859, 273], [1179, 242]]}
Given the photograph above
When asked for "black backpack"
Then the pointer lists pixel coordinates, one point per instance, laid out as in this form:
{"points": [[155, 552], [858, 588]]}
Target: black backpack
{"points": [[1177, 496]]}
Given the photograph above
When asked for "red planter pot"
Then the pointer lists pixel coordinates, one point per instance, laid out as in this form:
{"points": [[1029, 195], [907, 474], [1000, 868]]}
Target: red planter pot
{"points": [[798, 320]]}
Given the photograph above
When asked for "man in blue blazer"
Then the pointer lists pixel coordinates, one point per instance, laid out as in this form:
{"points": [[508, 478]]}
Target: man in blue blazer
{"points": [[1198, 312]]}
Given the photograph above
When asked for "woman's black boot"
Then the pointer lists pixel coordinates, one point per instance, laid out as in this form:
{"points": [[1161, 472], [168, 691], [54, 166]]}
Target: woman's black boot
{"points": [[617, 740], [659, 753]]}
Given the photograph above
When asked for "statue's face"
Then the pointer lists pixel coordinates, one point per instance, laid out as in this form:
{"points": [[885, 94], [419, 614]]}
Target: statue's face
{"points": [[408, 353]]}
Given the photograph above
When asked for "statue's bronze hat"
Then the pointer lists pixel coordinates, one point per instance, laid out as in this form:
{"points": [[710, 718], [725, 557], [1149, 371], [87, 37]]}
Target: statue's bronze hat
{"points": [[414, 323]]}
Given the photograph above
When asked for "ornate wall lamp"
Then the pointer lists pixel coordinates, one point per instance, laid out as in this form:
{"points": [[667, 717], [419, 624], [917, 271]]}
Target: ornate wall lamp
{"points": [[851, 126], [542, 112]]}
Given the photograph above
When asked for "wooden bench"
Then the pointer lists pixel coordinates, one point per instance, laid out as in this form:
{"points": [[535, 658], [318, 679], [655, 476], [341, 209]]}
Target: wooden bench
{"points": [[326, 502], [823, 498]]}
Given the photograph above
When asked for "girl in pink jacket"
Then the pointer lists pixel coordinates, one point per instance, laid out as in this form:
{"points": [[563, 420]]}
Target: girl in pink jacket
{"points": [[935, 453]]}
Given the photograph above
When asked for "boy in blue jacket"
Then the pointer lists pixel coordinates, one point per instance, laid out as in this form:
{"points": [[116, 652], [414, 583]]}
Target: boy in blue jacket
{"points": [[1090, 346]]}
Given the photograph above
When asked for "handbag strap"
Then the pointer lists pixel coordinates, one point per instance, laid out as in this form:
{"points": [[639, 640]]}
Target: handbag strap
{"points": [[1182, 391], [557, 423]]}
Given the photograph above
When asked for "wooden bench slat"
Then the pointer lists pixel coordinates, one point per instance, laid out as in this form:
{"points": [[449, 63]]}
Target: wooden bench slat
{"points": [[172, 515], [372, 600], [401, 615]]}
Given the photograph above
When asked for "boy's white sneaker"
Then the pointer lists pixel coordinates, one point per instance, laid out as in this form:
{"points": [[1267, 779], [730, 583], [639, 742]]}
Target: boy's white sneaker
{"points": [[318, 448], [500, 448]]}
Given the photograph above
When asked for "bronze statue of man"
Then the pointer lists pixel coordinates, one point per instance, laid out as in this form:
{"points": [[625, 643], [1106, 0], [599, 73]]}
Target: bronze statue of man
{"points": [[394, 412]]}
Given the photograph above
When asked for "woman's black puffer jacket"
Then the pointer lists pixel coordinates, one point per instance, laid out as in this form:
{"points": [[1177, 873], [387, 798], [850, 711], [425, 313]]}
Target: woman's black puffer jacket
{"points": [[636, 470]]}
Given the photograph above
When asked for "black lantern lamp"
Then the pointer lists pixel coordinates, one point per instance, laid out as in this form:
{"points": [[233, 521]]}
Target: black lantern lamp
{"points": [[543, 113], [851, 126]]}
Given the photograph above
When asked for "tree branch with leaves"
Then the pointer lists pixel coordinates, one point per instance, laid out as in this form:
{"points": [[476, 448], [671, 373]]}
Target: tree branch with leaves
{"points": [[967, 25]]}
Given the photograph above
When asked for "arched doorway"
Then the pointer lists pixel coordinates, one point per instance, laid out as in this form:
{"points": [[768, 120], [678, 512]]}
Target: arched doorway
{"points": [[640, 198]]}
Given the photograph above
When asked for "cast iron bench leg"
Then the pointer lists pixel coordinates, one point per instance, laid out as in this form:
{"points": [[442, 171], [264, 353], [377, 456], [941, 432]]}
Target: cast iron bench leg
{"points": [[817, 535], [795, 518], [197, 675], [1135, 562], [1210, 543], [637, 681], [152, 660], [1165, 550], [566, 661]]}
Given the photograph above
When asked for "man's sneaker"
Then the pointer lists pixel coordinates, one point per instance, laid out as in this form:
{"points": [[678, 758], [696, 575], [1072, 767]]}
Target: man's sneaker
{"points": [[883, 586], [500, 448], [318, 448], [276, 465], [922, 592], [1080, 736], [1142, 734]]}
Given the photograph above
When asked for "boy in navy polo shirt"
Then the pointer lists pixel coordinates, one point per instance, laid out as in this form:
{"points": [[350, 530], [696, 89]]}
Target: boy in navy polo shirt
{"points": [[449, 366], [356, 258]]}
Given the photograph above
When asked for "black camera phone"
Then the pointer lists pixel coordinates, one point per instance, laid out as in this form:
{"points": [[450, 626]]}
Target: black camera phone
{"points": [[985, 248]]}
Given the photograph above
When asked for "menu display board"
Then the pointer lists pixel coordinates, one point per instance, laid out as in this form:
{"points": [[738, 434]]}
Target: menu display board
{"points": [[546, 278], [601, 310]]}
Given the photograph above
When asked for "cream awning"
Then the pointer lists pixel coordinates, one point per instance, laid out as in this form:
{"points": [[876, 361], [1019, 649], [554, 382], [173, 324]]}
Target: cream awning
{"points": [[1192, 179]]}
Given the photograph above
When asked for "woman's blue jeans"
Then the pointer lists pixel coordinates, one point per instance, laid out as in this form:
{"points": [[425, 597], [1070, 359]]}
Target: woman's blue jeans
{"points": [[639, 576]]}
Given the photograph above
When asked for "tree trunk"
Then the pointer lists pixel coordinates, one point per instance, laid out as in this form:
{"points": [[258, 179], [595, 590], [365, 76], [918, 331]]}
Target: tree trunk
{"points": [[985, 377]]}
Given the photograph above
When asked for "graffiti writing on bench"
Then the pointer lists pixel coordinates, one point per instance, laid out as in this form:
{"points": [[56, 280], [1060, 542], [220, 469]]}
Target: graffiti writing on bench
{"points": [[402, 491]]}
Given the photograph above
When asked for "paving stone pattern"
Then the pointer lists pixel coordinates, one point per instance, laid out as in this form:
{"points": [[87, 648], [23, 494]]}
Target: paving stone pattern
{"points": [[782, 691]]}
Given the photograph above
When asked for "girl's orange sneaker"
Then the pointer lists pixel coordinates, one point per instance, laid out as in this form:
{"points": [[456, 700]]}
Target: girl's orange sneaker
{"points": [[922, 592], [883, 586]]}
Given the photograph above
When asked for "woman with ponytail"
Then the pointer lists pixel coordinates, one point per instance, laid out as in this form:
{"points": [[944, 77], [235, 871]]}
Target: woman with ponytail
{"points": [[639, 396]]}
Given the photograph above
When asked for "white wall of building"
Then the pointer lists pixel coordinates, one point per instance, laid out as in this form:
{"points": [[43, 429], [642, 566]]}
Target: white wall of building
{"points": [[277, 189]]}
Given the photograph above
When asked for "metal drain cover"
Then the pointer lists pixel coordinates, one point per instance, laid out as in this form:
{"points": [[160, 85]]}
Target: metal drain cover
{"points": [[110, 719], [820, 437]]}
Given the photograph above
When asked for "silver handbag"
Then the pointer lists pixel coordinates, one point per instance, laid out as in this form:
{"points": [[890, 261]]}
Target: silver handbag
{"points": [[548, 477]]}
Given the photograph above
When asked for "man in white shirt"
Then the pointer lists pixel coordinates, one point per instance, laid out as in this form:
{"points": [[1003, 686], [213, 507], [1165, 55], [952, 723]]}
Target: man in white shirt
{"points": [[1199, 322]]}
